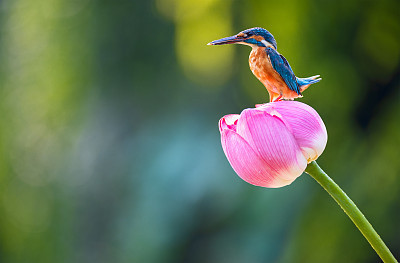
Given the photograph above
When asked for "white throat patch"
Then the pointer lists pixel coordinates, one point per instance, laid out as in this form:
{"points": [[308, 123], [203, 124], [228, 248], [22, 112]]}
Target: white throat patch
{"points": [[266, 44]]}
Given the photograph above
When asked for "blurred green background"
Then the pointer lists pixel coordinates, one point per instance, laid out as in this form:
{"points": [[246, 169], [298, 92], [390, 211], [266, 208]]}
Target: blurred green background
{"points": [[109, 145]]}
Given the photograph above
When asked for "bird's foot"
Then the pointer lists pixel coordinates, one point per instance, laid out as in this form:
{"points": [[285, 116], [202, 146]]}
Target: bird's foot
{"points": [[277, 99]]}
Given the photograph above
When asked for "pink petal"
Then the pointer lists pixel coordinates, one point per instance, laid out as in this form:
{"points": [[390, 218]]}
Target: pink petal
{"points": [[228, 122], [247, 163], [271, 139], [306, 125]]}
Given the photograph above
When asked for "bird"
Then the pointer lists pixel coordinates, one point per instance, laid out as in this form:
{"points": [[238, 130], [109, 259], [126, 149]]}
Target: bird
{"points": [[268, 65]]}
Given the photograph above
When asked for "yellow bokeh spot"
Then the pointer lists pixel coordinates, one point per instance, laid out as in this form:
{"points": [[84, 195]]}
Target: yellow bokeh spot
{"points": [[197, 23]]}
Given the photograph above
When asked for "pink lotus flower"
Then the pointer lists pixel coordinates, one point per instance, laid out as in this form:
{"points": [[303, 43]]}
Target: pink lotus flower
{"points": [[271, 145]]}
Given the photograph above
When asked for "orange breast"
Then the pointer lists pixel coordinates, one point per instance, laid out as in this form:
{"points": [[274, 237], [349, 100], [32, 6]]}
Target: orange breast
{"points": [[261, 67]]}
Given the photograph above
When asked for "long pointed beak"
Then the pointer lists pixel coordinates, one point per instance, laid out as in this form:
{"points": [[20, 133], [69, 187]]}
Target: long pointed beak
{"points": [[226, 40]]}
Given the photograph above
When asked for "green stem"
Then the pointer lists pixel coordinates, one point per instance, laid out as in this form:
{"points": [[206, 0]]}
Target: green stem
{"points": [[352, 211]]}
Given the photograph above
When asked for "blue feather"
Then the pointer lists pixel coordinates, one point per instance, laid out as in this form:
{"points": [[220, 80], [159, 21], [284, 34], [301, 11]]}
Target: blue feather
{"points": [[308, 81], [281, 65], [254, 42]]}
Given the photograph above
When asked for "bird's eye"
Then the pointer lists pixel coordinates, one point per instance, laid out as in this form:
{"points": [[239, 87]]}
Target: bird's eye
{"points": [[244, 35]]}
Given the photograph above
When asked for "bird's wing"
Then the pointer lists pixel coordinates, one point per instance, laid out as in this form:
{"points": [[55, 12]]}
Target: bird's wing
{"points": [[281, 65]]}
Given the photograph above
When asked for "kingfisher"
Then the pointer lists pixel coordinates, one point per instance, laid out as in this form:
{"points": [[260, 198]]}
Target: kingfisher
{"points": [[270, 67]]}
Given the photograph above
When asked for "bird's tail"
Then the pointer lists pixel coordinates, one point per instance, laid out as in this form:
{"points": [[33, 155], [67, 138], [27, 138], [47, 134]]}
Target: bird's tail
{"points": [[304, 83]]}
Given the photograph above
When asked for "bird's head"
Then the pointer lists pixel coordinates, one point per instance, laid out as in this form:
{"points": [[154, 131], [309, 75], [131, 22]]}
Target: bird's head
{"points": [[256, 36]]}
